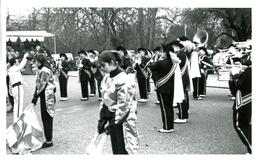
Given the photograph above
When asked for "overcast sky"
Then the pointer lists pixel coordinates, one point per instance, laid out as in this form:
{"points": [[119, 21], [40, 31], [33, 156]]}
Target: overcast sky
{"points": [[24, 7]]}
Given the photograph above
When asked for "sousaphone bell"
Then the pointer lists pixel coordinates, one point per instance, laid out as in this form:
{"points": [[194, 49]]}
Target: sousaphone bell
{"points": [[201, 37]]}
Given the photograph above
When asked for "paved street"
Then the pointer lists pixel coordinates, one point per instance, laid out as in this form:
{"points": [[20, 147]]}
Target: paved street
{"points": [[208, 131]]}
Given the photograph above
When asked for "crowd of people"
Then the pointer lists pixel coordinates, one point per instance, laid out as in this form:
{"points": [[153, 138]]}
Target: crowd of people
{"points": [[176, 68]]}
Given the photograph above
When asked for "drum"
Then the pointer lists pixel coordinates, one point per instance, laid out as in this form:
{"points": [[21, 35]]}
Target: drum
{"points": [[224, 74]]}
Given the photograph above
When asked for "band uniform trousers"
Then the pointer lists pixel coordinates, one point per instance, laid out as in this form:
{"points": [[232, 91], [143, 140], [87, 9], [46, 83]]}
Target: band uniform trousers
{"points": [[46, 119], [157, 93], [18, 95], [63, 87], [142, 83], [98, 86], [148, 83], [232, 87], [242, 124], [196, 87], [11, 100], [183, 107], [92, 84], [202, 84], [166, 105], [84, 88], [117, 139]]}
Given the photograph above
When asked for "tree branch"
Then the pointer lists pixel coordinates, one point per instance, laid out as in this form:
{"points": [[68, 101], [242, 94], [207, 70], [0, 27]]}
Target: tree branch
{"points": [[164, 17], [227, 34]]}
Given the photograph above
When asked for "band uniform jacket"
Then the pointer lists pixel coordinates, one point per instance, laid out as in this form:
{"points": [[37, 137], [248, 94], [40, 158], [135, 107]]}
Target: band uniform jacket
{"points": [[184, 67], [98, 74], [163, 67], [142, 72], [85, 71], [244, 87], [65, 69], [127, 63], [45, 83], [205, 63], [118, 95]]}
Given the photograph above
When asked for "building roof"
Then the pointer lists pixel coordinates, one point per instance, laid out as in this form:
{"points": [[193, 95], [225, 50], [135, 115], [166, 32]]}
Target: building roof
{"points": [[39, 35]]}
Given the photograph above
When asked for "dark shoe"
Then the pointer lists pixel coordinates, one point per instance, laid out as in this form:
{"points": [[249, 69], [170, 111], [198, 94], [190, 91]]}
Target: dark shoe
{"points": [[45, 145]]}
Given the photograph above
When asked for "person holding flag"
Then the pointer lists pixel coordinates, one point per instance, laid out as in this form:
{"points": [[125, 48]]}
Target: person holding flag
{"points": [[45, 90], [119, 106]]}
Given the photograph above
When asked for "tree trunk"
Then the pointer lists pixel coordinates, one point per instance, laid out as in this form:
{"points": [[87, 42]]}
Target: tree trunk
{"points": [[152, 26], [140, 29]]}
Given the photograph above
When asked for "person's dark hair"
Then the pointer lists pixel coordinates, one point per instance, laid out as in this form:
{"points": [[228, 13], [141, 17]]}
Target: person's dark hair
{"points": [[92, 51], [204, 49], [196, 43], [183, 38], [40, 57], [41, 50], [143, 49], [110, 55], [12, 61], [158, 48], [166, 49], [248, 62], [231, 45], [82, 52], [176, 43], [64, 55], [120, 48]]}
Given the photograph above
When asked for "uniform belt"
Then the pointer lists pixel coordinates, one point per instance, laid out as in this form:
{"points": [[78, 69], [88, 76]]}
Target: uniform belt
{"points": [[16, 84]]}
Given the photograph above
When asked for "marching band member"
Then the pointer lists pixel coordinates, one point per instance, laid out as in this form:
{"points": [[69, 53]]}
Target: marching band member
{"points": [[187, 50], [148, 56], [186, 81], [84, 74], [62, 69], [142, 74], [97, 73], [118, 107], [205, 64], [165, 86], [242, 109], [195, 72], [45, 90], [158, 55], [16, 81], [127, 62], [91, 56]]}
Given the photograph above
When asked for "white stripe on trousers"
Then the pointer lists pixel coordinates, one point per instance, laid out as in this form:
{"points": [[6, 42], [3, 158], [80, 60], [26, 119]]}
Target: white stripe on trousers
{"points": [[162, 102], [242, 133], [18, 93], [181, 113]]}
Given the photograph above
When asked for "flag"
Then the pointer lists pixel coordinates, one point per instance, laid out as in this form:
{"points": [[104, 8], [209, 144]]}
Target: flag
{"points": [[96, 149], [25, 135]]}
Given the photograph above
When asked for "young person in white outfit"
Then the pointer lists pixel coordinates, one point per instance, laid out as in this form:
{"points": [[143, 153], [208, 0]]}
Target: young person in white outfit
{"points": [[16, 80]]}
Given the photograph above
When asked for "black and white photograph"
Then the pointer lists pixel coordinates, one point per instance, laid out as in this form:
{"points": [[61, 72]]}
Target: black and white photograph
{"points": [[101, 80]]}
